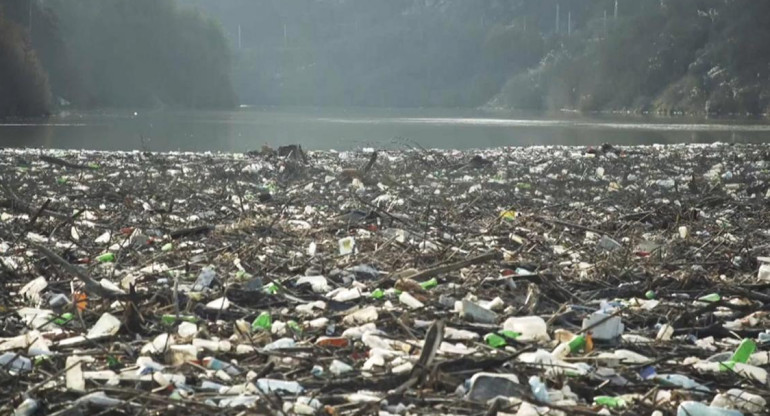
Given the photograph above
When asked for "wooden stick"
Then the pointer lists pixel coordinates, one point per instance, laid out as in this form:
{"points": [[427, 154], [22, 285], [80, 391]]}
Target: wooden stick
{"points": [[91, 286]]}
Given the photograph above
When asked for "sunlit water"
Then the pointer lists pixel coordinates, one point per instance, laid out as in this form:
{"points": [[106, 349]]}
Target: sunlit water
{"points": [[250, 128]]}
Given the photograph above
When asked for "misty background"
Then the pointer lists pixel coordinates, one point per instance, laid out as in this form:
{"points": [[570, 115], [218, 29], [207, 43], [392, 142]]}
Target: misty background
{"points": [[662, 56]]}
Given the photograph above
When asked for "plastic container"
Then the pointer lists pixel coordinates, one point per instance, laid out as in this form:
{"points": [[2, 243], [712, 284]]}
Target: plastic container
{"points": [[610, 329], [268, 386], [689, 408], [410, 301], [475, 313], [531, 328], [740, 400], [485, 386], [347, 245]]}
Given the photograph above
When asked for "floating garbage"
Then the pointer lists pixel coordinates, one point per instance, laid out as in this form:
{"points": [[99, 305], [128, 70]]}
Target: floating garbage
{"points": [[526, 281]]}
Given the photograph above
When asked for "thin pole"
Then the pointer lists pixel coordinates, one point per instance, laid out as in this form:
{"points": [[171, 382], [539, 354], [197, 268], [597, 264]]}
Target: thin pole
{"points": [[616, 9], [30, 19], [569, 23], [557, 18], [240, 45]]}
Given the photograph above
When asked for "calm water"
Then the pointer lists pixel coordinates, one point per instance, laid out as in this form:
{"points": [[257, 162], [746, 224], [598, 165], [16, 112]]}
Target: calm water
{"points": [[250, 128]]}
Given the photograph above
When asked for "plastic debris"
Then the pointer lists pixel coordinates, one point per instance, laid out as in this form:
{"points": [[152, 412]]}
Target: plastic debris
{"points": [[630, 283]]}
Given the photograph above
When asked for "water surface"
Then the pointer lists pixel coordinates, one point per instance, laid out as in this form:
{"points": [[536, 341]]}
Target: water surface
{"points": [[343, 129]]}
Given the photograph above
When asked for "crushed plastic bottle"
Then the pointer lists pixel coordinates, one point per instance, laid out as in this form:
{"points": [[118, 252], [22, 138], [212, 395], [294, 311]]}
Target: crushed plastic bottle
{"points": [[539, 389], [611, 402], [269, 386], [15, 362]]}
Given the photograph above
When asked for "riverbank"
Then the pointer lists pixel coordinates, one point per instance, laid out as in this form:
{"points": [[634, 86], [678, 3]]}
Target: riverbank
{"points": [[326, 281]]}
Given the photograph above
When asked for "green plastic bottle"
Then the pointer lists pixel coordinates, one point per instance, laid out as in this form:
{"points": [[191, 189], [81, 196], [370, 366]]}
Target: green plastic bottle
{"points": [[429, 284], [263, 321], [577, 343], [611, 402], [744, 351]]}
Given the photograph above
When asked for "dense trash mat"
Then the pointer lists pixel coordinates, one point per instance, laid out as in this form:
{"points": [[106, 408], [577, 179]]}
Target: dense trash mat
{"points": [[522, 281]]}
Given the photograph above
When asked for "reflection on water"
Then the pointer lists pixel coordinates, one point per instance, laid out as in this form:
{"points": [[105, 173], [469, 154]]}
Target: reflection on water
{"points": [[248, 129]]}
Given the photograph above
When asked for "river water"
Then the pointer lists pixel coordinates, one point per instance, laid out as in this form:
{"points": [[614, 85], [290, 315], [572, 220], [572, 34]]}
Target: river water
{"points": [[345, 129]]}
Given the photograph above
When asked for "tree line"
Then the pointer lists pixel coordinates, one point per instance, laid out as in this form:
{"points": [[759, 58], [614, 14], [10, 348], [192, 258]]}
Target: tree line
{"points": [[110, 53]]}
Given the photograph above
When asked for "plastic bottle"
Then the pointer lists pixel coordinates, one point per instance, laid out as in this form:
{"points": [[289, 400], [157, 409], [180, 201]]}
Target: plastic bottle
{"points": [[611, 402], [280, 344], [710, 298], [538, 389], [429, 284], [267, 386], [216, 364], [263, 321], [15, 362], [27, 408], [740, 400], [689, 408], [744, 351], [679, 380]]}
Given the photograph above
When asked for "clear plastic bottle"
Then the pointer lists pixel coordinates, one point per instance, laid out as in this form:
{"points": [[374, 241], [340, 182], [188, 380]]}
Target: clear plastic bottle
{"points": [[689, 408]]}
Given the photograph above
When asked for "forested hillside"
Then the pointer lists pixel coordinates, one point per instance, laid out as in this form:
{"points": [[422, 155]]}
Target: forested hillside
{"points": [[656, 55], [665, 56], [111, 53]]}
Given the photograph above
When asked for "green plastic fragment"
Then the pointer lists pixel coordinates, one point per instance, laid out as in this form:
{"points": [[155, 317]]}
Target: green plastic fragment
{"points": [[93, 166], [650, 294], [378, 294], [113, 363], [106, 258], [167, 247], [263, 321], [509, 334], [63, 319], [294, 326], [429, 284], [744, 351], [61, 180], [494, 340], [611, 402], [171, 319], [712, 297], [272, 288]]}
